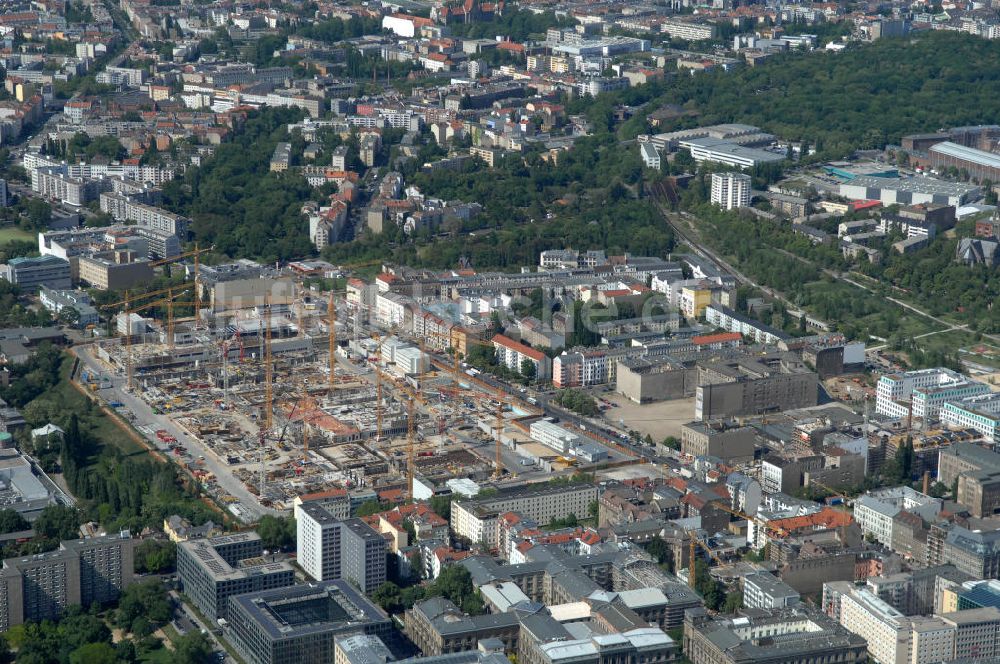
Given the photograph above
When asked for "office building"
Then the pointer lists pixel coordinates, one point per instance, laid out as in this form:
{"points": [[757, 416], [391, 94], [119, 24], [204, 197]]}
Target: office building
{"points": [[32, 273], [976, 553], [211, 570], [80, 572], [964, 458], [476, 520], [977, 632], [777, 636], [764, 590], [545, 641], [909, 191], [329, 548], [981, 412], [118, 274], [922, 393], [299, 624], [730, 190]]}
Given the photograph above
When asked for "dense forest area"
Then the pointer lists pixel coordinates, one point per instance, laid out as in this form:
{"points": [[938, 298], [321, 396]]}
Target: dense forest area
{"points": [[863, 97], [237, 204], [587, 200]]}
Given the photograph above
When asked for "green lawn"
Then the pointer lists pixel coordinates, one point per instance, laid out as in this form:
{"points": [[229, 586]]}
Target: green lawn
{"points": [[105, 429], [11, 233]]}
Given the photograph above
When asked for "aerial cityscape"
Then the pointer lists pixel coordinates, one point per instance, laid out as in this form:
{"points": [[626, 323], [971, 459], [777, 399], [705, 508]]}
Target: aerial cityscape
{"points": [[489, 332]]}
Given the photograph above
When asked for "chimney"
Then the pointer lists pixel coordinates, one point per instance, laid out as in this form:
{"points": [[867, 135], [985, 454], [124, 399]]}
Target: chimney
{"points": [[927, 481]]}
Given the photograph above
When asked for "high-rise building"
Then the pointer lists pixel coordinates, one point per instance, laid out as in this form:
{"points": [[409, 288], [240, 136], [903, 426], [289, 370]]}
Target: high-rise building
{"points": [[80, 572], [330, 548], [731, 190]]}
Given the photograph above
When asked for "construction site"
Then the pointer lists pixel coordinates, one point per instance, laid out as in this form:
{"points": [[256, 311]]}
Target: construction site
{"points": [[272, 388]]}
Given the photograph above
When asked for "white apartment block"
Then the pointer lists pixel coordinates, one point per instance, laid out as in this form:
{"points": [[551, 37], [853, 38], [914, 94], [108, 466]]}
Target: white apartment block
{"points": [[476, 520], [887, 630], [874, 512], [512, 355], [688, 31], [390, 309], [124, 208], [730, 190], [926, 390]]}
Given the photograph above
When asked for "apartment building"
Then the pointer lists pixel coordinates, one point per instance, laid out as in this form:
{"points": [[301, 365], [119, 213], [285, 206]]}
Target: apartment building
{"points": [[514, 355], [764, 590], [875, 511], [30, 273], [80, 572], [730, 320], [730, 191], [213, 569], [126, 208], [476, 520], [331, 548]]}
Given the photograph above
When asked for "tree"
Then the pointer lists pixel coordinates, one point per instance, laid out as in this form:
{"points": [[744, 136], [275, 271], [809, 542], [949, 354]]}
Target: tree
{"points": [[441, 505], [568, 521], [388, 597], [455, 583], [528, 369], [12, 522], [192, 648], [94, 653], [58, 522], [155, 557], [733, 603], [370, 507], [593, 509], [69, 316], [276, 532], [659, 549], [147, 601]]}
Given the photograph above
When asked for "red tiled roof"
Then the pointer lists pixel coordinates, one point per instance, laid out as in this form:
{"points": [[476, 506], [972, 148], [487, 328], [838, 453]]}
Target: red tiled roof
{"points": [[507, 342], [722, 337]]}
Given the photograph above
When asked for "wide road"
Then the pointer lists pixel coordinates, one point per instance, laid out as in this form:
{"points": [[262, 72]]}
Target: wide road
{"points": [[148, 422]]}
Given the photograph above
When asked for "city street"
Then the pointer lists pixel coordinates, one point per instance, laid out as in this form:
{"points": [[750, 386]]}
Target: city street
{"points": [[249, 509]]}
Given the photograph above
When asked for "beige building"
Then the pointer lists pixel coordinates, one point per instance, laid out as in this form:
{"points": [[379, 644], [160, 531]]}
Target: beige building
{"points": [[118, 274]]}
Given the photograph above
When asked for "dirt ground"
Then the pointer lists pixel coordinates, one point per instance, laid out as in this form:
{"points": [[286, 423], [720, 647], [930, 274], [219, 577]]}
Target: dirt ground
{"points": [[660, 419]]}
